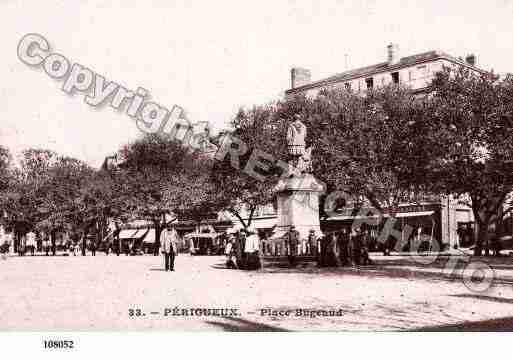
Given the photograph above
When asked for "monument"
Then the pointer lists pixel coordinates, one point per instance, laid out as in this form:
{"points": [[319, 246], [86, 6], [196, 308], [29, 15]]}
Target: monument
{"points": [[298, 193]]}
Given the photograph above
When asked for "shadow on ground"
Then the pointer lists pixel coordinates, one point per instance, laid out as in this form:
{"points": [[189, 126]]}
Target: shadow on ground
{"points": [[219, 266], [243, 325], [484, 297], [490, 325], [404, 267]]}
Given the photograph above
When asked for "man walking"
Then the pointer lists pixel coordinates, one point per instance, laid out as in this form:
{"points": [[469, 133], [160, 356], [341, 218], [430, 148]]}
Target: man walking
{"points": [[168, 248]]}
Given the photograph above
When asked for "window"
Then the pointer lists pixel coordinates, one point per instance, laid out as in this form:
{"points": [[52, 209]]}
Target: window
{"points": [[423, 70], [369, 82], [348, 86], [395, 77]]}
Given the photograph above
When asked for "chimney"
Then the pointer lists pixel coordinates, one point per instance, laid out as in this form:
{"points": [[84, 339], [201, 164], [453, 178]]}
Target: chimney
{"points": [[471, 59], [393, 56], [299, 77]]}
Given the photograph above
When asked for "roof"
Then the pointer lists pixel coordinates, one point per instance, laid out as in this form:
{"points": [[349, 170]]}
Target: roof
{"points": [[382, 67]]}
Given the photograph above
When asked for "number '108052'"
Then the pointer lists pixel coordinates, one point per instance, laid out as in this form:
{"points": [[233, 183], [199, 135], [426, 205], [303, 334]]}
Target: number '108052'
{"points": [[59, 344]]}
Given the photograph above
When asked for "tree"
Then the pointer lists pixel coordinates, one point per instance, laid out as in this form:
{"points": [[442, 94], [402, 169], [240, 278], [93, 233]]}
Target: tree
{"points": [[26, 190], [152, 182], [239, 187], [191, 191], [46, 193], [66, 201], [5, 176], [355, 142], [5, 162], [469, 144], [362, 145]]}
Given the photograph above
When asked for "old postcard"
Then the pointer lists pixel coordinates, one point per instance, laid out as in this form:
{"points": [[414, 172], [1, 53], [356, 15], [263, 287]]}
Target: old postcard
{"points": [[290, 166]]}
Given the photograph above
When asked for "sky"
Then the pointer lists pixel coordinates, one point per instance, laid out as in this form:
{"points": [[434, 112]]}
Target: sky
{"points": [[213, 57]]}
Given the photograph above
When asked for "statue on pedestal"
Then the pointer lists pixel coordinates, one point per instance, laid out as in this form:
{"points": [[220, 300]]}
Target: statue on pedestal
{"points": [[300, 158], [298, 196]]}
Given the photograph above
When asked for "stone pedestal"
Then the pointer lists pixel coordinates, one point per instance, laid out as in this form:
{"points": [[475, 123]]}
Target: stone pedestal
{"points": [[298, 205]]}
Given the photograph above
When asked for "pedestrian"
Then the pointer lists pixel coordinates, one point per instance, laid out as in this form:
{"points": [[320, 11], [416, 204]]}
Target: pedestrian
{"points": [[321, 256], [229, 251], [344, 247], [356, 238], [292, 238], [366, 243], [115, 246], [312, 243], [169, 249], [93, 247], [22, 245], [237, 250], [46, 243], [242, 242], [387, 245], [333, 250], [8, 241], [31, 242], [74, 247], [252, 251]]}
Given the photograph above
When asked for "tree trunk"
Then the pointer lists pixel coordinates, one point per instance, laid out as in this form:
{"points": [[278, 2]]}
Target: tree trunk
{"points": [[236, 214], [52, 240], [251, 214], [85, 232], [83, 244], [158, 231], [481, 234]]}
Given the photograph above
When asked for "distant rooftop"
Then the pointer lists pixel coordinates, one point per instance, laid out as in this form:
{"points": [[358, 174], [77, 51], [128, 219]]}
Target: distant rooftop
{"points": [[384, 67]]}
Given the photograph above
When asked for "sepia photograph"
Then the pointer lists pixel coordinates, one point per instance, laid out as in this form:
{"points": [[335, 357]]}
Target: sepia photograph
{"points": [[275, 166]]}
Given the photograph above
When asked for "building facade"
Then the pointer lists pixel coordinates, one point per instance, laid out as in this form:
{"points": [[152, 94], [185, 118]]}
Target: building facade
{"points": [[415, 71]]}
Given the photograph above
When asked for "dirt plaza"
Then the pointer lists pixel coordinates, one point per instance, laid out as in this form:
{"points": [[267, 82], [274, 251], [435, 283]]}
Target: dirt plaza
{"points": [[135, 293]]}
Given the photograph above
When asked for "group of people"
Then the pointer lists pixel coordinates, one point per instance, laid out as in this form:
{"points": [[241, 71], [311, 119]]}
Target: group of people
{"points": [[339, 248], [27, 243], [32, 242], [243, 250], [344, 248]]}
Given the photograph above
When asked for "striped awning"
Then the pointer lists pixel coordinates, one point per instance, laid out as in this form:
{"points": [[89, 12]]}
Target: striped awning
{"points": [[130, 233]]}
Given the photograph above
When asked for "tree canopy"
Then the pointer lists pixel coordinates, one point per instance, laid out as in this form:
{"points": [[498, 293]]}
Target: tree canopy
{"points": [[469, 143]]}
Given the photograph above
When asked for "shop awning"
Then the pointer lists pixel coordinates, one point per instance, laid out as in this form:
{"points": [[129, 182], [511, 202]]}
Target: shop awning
{"points": [[398, 215], [414, 214], [150, 237], [129, 233]]}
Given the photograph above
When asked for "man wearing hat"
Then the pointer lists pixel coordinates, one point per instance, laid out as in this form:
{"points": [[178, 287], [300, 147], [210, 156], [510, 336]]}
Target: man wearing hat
{"points": [[169, 248], [292, 238]]}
